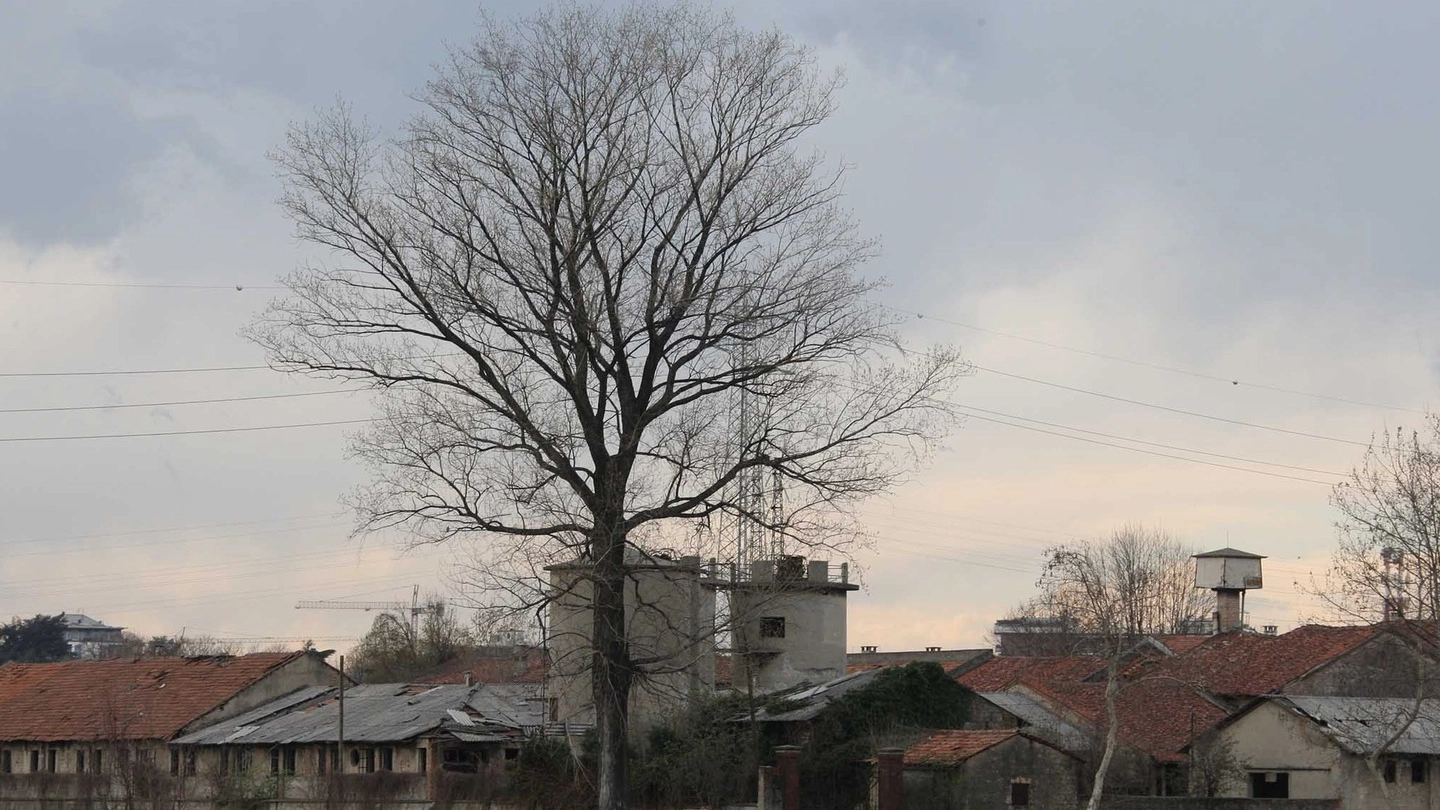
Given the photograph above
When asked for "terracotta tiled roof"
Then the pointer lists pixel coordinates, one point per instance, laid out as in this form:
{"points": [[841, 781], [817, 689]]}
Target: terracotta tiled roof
{"points": [[1004, 672], [1157, 716], [953, 747], [1250, 664], [517, 665], [1181, 644], [141, 699]]}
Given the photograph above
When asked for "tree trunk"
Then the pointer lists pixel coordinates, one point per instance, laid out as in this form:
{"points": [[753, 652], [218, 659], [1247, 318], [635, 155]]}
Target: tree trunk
{"points": [[611, 665], [1112, 695]]}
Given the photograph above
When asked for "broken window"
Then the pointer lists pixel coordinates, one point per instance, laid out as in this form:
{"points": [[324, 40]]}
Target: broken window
{"points": [[79, 761], [1020, 793], [175, 761], [51, 755], [289, 756], [1417, 771], [1269, 785], [772, 627], [387, 759]]}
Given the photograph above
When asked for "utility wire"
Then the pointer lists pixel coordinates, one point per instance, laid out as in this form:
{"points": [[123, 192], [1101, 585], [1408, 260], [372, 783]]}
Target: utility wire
{"points": [[1156, 366], [1168, 408], [156, 285], [1149, 443], [182, 432], [172, 403], [131, 372], [1152, 452]]}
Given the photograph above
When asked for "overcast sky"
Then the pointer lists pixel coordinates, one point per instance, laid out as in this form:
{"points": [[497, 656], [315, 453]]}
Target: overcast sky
{"points": [[1221, 208]]}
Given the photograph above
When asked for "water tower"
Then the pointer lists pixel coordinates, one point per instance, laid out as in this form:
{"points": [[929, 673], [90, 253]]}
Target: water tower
{"points": [[1229, 573]]}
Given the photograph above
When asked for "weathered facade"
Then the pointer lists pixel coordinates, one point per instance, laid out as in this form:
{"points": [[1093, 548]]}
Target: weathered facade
{"points": [[1321, 747], [965, 770], [789, 618], [670, 625], [102, 728]]}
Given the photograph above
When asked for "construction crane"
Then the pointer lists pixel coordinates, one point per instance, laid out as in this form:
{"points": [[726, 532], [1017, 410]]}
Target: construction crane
{"points": [[413, 607]]}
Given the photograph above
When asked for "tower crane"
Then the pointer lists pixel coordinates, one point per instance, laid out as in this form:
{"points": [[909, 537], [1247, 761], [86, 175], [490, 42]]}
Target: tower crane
{"points": [[413, 607]]}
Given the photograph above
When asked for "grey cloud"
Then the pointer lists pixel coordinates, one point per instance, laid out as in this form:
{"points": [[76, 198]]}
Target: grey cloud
{"points": [[68, 166]]}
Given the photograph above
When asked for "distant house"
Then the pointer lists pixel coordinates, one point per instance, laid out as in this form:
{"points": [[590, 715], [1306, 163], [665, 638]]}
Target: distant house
{"points": [[427, 741], [1005, 769], [88, 638], [102, 727], [1320, 747]]}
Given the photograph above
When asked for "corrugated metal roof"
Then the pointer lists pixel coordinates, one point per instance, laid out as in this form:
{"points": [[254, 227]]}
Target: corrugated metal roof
{"points": [[1040, 720], [377, 713], [816, 698], [1360, 725]]}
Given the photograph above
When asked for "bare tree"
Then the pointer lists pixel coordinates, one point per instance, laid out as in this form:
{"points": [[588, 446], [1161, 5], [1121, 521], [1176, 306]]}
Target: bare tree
{"points": [[596, 242], [1112, 593], [1387, 560]]}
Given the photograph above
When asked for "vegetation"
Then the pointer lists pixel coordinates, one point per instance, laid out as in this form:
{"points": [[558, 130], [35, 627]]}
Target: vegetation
{"points": [[891, 710], [602, 232], [31, 641]]}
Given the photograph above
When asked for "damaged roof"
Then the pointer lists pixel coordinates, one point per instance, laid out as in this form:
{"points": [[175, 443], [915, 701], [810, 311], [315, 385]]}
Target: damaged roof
{"points": [[376, 713], [129, 699], [1362, 725]]}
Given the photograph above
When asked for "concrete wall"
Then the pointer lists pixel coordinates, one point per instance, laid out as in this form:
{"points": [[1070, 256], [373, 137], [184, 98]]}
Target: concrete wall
{"points": [[1272, 739], [984, 780], [670, 621], [813, 649]]}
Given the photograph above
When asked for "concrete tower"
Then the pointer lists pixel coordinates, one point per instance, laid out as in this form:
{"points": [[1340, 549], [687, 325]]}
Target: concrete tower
{"points": [[789, 623], [670, 625], [1229, 573]]}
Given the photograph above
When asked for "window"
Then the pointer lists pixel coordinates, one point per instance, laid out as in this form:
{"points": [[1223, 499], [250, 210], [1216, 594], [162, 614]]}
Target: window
{"points": [[80, 761], [1020, 793], [51, 756], [424, 760], [321, 756], [175, 761], [35, 761], [512, 753], [1389, 771], [224, 759], [6, 764], [242, 760], [289, 757], [274, 761], [95, 760], [1417, 771], [553, 704], [363, 759], [190, 762], [1269, 785], [387, 759], [772, 626]]}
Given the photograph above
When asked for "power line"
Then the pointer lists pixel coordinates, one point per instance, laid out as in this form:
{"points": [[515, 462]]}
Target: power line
{"points": [[146, 285], [173, 403], [1168, 408], [1151, 444], [1156, 366], [130, 372], [1152, 452], [182, 432], [92, 536]]}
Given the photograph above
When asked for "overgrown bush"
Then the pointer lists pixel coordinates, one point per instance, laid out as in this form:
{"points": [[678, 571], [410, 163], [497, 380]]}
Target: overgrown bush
{"points": [[891, 710], [706, 758]]}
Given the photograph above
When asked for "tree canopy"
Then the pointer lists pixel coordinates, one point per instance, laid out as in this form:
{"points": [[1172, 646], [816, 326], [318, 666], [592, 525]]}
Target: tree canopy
{"points": [[40, 639]]}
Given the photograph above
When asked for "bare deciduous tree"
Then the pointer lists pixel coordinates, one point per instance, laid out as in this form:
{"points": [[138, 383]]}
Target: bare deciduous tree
{"points": [[598, 239], [1111, 593], [1387, 561]]}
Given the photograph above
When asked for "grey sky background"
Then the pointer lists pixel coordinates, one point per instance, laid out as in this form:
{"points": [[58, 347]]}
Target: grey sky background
{"points": [[1241, 190]]}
